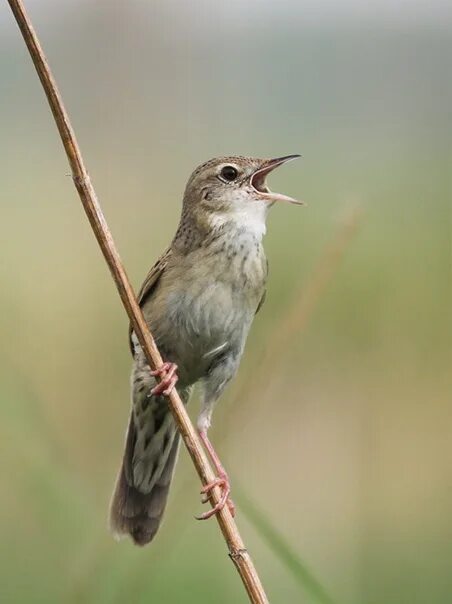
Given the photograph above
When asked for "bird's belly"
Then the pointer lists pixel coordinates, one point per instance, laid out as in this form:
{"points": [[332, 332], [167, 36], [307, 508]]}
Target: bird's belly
{"points": [[209, 318], [206, 318]]}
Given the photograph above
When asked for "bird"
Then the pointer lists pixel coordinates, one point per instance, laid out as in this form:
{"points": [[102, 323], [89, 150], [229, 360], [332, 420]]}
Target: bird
{"points": [[199, 300]]}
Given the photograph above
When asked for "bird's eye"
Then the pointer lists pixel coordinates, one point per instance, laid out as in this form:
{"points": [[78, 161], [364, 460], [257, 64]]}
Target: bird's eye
{"points": [[229, 173]]}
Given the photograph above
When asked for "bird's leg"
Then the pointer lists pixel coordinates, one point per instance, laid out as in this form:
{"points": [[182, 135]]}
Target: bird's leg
{"points": [[168, 379], [222, 481], [220, 372]]}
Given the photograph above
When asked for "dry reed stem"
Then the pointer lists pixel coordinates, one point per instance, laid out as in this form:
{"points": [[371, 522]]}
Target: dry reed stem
{"points": [[237, 551]]}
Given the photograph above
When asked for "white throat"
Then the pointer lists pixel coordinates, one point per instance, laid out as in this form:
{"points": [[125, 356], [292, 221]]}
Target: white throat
{"points": [[250, 218]]}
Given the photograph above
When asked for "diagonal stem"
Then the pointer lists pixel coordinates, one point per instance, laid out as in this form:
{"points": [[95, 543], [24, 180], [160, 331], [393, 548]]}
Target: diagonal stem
{"points": [[237, 550]]}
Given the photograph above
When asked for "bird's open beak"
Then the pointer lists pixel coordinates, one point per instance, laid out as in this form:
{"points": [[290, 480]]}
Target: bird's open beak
{"points": [[258, 180]]}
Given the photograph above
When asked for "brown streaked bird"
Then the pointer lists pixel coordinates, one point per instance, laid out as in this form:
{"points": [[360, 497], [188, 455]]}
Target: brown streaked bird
{"points": [[199, 301]]}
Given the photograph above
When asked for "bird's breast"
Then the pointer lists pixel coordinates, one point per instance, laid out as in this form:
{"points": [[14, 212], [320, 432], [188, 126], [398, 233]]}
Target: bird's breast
{"points": [[238, 267], [207, 300]]}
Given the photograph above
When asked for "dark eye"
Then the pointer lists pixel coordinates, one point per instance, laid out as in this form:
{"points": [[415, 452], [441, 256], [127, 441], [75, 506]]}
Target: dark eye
{"points": [[229, 173]]}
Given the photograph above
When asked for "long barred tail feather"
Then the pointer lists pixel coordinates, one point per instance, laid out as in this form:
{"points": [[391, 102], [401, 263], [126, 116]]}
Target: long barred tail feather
{"points": [[132, 511]]}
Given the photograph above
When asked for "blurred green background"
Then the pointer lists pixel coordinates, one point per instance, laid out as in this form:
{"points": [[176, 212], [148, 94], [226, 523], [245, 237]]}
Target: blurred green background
{"points": [[344, 442]]}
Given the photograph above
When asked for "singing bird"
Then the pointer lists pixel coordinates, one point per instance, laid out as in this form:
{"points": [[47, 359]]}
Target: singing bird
{"points": [[199, 301]]}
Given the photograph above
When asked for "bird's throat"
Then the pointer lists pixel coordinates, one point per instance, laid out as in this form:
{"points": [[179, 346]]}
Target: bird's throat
{"points": [[249, 219]]}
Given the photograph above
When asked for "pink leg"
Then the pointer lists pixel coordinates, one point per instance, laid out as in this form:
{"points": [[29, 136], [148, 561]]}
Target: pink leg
{"points": [[221, 481], [169, 377]]}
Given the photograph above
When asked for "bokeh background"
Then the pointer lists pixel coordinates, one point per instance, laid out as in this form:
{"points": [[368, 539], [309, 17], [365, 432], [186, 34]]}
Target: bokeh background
{"points": [[343, 441]]}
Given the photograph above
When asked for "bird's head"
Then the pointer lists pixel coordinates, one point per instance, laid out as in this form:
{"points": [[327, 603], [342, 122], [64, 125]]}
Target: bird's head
{"points": [[233, 190]]}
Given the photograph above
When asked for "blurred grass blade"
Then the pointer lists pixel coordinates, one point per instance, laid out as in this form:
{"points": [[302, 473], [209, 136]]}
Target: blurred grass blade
{"points": [[284, 552]]}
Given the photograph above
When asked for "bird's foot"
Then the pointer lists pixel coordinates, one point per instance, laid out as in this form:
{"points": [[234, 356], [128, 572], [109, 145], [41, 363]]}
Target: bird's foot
{"points": [[168, 379], [222, 481]]}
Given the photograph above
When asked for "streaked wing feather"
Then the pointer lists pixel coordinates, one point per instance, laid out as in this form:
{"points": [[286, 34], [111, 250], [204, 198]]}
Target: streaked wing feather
{"points": [[149, 284]]}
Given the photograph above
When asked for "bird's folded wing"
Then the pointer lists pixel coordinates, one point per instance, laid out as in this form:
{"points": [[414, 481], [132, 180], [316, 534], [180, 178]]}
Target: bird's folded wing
{"points": [[149, 285]]}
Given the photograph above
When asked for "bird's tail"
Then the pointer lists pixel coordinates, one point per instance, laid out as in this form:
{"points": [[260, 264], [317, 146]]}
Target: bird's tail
{"points": [[141, 490]]}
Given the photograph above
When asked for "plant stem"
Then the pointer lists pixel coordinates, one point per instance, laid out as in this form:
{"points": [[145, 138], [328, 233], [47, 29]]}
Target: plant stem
{"points": [[237, 551]]}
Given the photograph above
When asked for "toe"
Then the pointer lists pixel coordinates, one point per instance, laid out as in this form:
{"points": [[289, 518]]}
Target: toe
{"points": [[218, 482], [224, 500], [170, 382]]}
